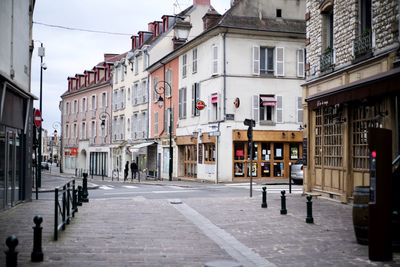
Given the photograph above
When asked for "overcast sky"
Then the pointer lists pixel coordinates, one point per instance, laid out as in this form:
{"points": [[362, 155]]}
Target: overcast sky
{"points": [[69, 51]]}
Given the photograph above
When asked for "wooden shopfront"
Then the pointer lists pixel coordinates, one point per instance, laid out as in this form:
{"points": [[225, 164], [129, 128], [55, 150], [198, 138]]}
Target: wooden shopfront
{"points": [[272, 152], [187, 149]]}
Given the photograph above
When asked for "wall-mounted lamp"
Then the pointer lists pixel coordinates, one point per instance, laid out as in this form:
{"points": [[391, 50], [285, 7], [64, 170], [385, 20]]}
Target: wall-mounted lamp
{"points": [[302, 127]]}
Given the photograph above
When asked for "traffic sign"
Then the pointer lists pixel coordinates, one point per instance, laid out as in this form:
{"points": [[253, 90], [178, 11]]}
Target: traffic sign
{"points": [[37, 118], [200, 105]]}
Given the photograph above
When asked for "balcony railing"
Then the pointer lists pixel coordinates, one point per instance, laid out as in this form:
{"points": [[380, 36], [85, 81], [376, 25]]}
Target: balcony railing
{"points": [[327, 60], [363, 44]]}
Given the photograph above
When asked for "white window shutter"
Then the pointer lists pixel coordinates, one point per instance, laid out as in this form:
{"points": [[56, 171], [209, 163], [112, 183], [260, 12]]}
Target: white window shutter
{"points": [[256, 60], [219, 108], [255, 107], [215, 60], [300, 63], [209, 108], [299, 110], [279, 109], [184, 102], [279, 61]]}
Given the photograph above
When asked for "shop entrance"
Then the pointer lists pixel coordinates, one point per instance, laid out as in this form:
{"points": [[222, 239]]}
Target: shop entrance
{"points": [[10, 167]]}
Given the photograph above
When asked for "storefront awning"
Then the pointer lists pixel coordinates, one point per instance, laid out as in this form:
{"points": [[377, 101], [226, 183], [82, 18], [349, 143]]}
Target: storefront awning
{"points": [[268, 101], [137, 146], [380, 84]]}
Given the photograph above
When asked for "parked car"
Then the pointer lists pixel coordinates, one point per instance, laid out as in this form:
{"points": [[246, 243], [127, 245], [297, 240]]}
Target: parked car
{"points": [[297, 172], [45, 165]]}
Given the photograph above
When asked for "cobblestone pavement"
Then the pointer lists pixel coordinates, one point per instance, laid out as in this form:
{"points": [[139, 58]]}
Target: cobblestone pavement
{"points": [[136, 231]]}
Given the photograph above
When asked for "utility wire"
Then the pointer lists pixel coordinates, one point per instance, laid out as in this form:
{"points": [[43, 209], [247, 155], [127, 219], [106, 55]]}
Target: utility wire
{"points": [[79, 29]]}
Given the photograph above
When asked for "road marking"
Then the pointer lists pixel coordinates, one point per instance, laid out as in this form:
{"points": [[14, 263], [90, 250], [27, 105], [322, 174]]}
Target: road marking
{"points": [[105, 187], [149, 192], [237, 250], [130, 186]]}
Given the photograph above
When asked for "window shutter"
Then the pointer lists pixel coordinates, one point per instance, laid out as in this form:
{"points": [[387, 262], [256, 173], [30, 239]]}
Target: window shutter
{"points": [[184, 102], [106, 104], [219, 108], [300, 63], [256, 60], [209, 108], [280, 68], [194, 99], [299, 110], [180, 102], [255, 107], [279, 109], [215, 59]]}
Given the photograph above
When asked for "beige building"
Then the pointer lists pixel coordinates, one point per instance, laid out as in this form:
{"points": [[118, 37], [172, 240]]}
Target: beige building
{"points": [[351, 85]]}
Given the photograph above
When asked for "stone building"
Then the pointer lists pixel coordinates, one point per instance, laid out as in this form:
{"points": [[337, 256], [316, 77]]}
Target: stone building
{"points": [[352, 53]]}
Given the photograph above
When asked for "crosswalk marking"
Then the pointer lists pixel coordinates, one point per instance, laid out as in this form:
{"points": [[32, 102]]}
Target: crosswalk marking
{"points": [[274, 189], [106, 187], [130, 186]]}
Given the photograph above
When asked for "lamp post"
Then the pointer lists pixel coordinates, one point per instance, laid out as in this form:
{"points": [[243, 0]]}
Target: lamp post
{"points": [[41, 54], [103, 116], [60, 150], [159, 88]]}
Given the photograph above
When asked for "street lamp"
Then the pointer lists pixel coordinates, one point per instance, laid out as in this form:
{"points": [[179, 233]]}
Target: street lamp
{"points": [[159, 88], [41, 54], [103, 116], [60, 150]]}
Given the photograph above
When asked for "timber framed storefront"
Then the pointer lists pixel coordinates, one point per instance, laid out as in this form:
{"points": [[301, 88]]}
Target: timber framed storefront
{"points": [[187, 153], [272, 153], [337, 129]]}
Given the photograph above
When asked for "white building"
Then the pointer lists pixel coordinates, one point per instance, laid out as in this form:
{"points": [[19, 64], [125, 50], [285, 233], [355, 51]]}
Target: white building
{"points": [[248, 64]]}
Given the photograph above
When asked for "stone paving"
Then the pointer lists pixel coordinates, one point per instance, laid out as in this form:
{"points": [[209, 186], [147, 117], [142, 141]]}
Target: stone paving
{"points": [[135, 231]]}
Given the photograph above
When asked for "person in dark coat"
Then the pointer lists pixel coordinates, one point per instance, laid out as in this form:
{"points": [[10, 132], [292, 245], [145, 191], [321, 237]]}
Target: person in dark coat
{"points": [[134, 170], [126, 171]]}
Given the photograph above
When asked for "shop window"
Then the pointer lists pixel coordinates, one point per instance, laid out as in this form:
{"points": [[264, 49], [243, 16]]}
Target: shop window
{"points": [[278, 151], [294, 151], [255, 152], [253, 170], [363, 118], [266, 151], [265, 169], [239, 167], [209, 153], [200, 154], [279, 169], [239, 151]]}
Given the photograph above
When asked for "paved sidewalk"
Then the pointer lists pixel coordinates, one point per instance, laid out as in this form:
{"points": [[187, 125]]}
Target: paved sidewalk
{"points": [[135, 231]]}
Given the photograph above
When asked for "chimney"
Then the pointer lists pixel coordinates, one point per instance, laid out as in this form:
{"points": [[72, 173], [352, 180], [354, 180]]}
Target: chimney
{"points": [[167, 22], [134, 42], [210, 19], [201, 2], [151, 27]]}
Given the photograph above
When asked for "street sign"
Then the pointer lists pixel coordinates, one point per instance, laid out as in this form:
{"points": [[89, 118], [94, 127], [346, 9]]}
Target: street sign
{"points": [[215, 133], [37, 118], [200, 105], [249, 122]]}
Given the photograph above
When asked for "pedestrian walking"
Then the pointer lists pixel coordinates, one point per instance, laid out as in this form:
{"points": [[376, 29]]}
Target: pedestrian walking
{"points": [[126, 171], [134, 170]]}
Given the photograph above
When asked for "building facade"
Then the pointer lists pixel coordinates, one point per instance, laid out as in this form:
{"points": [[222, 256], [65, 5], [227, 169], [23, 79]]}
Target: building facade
{"points": [[248, 63], [352, 85], [86, 120], [16, 102]]}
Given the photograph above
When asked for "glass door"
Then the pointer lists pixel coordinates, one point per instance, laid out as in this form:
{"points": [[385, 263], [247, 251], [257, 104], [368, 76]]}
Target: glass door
{"points": [[13, 167], [2, 167]]}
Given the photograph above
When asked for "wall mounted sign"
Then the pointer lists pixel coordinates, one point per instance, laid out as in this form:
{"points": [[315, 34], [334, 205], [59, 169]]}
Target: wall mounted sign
{"points": [[236, 102], [200, 105]]}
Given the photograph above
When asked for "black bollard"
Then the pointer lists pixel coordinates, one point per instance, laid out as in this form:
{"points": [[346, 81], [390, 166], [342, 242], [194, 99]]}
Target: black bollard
{"points": [[283, 203], [76, 172], [85, 193], [102, 174], [11, 254], [79, 195], [309, 218], [264, 198], [37, 253]]}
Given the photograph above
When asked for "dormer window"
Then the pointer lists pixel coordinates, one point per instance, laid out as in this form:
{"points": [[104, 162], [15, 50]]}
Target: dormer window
{"points": [[279, 13]]}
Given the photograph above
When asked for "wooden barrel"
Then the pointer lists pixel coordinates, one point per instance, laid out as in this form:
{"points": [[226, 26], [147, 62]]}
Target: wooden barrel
{"points": [[360, 213]]}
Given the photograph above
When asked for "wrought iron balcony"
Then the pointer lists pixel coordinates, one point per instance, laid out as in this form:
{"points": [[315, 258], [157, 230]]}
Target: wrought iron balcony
{"points": [[327, 60], [363, 44]]}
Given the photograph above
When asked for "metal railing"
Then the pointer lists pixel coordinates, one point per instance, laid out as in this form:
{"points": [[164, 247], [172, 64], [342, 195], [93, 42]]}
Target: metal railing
{"points": [[65, 206], [327, 60], [362, 44]]}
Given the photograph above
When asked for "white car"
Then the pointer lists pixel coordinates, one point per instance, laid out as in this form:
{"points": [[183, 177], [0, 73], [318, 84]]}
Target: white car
{"points": [[296, 172]]}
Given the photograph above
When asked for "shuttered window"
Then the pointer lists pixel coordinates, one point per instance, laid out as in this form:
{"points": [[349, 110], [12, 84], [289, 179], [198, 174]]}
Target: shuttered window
{"points": [[215, 60], [168, 79], [195, 97], [279, 62], [182, 103], [256, 60], [299, 110], [255, 108], [279, 109], [300, 63]]}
